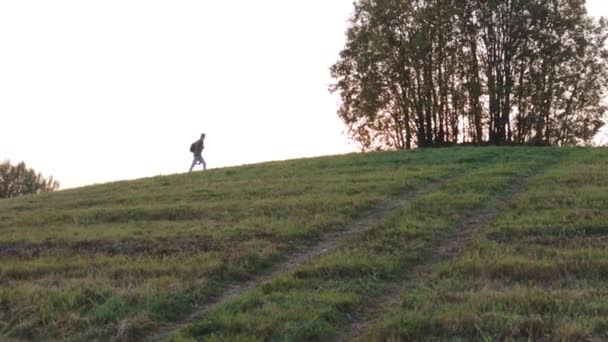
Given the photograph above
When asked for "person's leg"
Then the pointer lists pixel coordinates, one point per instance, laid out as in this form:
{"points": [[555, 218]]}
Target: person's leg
{"points": [[193, 164], [203, 162]]}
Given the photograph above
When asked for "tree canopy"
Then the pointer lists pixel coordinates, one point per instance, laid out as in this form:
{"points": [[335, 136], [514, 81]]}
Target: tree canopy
{"points": [[440, 72], [17, 180]]}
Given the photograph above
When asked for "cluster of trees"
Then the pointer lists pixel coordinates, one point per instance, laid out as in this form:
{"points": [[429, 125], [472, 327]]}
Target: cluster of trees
{"points": [[440, 72], [17, 180]]}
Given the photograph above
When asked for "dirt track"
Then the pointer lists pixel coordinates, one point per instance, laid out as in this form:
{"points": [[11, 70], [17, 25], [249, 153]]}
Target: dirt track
{"points": [[326, 243]]}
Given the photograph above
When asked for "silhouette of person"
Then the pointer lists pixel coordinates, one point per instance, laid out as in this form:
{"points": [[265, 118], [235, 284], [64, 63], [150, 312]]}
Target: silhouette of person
{"points": [[199, 145]]}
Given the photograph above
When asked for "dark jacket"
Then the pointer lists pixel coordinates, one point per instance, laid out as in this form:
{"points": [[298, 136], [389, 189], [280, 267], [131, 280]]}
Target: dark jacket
{"points": [[198, 147]]}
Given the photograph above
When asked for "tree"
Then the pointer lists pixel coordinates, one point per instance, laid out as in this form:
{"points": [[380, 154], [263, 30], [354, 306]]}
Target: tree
{"points": [[17, 180], [440, 72]]}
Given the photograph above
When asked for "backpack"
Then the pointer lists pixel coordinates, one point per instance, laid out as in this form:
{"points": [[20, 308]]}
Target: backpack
{"points": [[193, 147]]}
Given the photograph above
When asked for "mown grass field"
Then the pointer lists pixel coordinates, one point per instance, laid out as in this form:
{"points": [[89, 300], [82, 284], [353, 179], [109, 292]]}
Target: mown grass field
{"points": [[122, 261]]}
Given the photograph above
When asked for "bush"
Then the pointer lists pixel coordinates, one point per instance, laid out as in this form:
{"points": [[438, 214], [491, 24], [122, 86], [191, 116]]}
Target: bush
{"points": [[17, 180]]}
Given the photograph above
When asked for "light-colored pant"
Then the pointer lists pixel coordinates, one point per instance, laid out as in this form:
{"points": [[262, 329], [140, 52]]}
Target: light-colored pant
{"points": [[198, 160]]}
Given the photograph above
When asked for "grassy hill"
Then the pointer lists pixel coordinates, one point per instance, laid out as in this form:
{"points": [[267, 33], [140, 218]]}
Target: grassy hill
{"points": [[444, 244]]}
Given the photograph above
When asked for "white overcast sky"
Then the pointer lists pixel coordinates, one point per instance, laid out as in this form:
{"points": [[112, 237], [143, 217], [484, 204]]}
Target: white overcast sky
{"points": [[95, 91]]}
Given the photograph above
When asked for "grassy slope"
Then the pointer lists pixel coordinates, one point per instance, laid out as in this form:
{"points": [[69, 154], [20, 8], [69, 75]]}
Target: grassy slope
{"points": [[538, 273], [318, 299], [119, 259], [125, 256]]}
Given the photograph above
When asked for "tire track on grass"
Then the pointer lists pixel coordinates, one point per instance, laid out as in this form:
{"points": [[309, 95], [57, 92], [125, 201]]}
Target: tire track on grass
{"points": [[328, 242], [449, 247]]}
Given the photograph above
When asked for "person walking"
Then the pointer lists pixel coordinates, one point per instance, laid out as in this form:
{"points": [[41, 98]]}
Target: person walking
{"points": [[197, 149]]}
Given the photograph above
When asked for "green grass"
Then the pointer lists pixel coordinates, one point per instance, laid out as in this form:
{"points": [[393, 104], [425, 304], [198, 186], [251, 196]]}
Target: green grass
{"points": [[116, 261], [317, 300], [88, 262], [538, 273]]}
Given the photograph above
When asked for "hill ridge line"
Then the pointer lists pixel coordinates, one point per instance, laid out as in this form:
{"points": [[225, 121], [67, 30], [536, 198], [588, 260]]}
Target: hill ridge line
{"points": [[326, 243], [450, 246]]}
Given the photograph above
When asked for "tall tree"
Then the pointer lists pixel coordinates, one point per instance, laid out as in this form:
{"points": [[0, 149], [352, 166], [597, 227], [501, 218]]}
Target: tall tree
{"points": [[436, 72]]}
